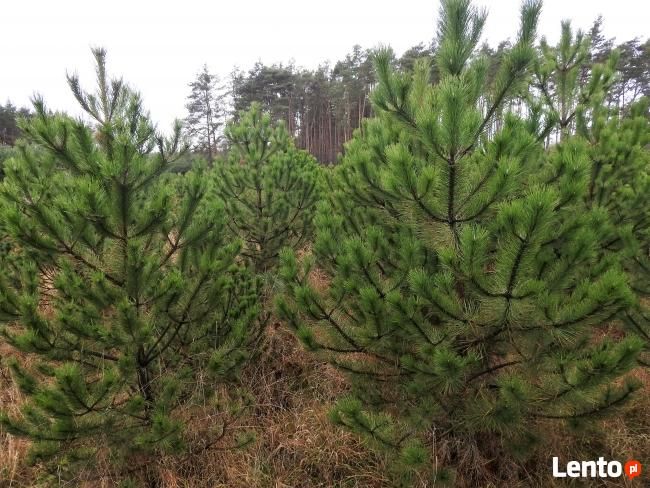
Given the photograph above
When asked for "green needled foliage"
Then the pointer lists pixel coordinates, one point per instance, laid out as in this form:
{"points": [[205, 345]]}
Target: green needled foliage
{"points": [[558, 76], [619, 187], [620, 182], [269, 188], [124, 292], [575, 92], [466, 276]]}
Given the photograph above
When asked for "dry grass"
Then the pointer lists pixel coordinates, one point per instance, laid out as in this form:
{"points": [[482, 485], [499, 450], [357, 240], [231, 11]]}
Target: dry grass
{"points": [[13, 472], [297, 446]]}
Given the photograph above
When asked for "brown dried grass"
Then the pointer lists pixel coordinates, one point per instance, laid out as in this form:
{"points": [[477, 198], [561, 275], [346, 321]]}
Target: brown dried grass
{"points": [[13, 472], [297, 446]]}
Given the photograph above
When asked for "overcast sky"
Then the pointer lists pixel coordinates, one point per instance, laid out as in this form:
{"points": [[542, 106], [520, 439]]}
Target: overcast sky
{"points": [[157, 46]]}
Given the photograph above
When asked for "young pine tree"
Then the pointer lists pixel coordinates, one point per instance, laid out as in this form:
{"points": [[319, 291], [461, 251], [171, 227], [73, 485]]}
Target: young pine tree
{"points": [[618, 159], [269, 188], [465, 279], [619, 188], [558, 76], [124, 296]]}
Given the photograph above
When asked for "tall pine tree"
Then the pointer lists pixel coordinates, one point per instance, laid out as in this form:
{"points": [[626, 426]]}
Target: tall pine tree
{"points": [[205, 106], [124, 294], [465, 275]]}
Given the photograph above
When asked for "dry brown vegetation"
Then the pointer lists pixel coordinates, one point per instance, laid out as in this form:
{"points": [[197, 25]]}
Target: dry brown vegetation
{"points": [[12, 450], [297, 446], [295, 443]]}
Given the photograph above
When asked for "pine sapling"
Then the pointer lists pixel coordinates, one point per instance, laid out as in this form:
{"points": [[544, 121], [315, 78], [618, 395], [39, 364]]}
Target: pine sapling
{"points": [[123, 293], [465, 274]]}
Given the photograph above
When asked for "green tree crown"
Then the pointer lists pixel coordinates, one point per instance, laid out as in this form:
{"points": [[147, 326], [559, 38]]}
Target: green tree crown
{"points": [[465, 273], [269, 188], [124, 292]]}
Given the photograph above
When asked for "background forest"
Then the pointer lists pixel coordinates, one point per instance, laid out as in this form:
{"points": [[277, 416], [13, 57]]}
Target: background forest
{"points": [[422, 270], [322, 107]]}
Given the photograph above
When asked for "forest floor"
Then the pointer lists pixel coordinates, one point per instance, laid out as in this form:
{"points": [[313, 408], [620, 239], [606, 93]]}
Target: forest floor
{"points": [[297, 446]]}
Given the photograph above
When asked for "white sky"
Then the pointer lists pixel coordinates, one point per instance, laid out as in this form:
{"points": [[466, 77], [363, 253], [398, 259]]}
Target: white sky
{"points": [[158, 46]]}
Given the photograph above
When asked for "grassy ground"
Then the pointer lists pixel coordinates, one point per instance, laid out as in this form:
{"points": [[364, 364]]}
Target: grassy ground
{"points": [[296, 446]]}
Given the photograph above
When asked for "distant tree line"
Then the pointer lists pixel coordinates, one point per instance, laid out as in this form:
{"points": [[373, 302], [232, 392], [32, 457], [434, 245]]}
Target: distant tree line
{"points": [[322, 107], [9, 130]]}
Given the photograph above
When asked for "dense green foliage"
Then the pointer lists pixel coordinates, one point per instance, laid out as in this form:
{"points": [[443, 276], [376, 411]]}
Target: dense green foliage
{"points": [[466, 275], [5, 153], [269, 188], [577, 97], [124, 293], [477, 265], [619, 186]]}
